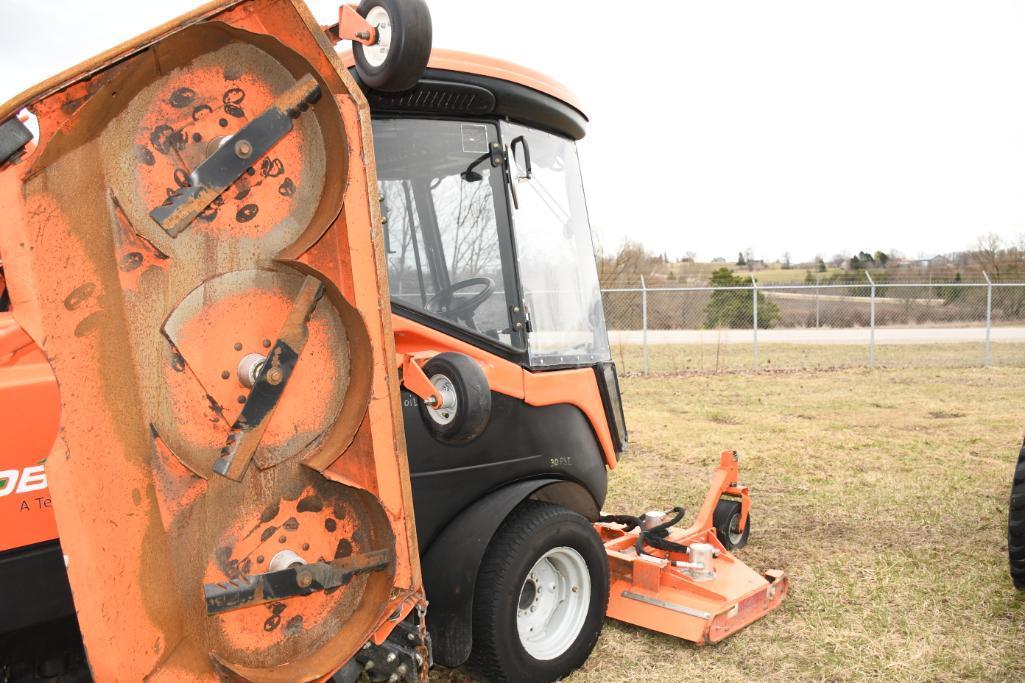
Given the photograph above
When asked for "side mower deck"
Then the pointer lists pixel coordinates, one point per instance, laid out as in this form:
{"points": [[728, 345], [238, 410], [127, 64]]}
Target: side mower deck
{"points": [[696, 589]]}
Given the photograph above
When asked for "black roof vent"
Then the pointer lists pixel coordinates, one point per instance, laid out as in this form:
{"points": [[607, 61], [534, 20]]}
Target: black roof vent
{"points": [[436, 97]]}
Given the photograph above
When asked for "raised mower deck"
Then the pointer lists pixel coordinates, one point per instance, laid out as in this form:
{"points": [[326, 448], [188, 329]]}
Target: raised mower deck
{"points": [[703, 595]]}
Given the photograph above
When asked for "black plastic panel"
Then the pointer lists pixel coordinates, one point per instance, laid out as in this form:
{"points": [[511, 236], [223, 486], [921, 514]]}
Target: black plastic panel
{"points": [[608, 387], [33, 586], [520, 442], [458, 94]]}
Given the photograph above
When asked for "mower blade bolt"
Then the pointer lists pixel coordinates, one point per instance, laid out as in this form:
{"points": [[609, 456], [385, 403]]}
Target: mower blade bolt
{"points": [[243, 149]]}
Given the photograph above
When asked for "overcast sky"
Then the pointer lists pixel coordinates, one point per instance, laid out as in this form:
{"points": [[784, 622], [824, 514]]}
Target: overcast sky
{"points": [[809, 127]]}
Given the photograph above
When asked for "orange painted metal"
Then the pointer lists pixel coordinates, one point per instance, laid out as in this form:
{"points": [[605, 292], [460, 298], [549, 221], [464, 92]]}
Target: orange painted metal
{"points": [[577, 387], [352, 26], [29, 414], [466, 62], [414, 379], [650, 592], [146, 332]]}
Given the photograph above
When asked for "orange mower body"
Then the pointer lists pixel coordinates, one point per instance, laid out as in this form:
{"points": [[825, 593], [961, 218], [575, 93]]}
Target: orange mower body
{"points": [[294, 346], [664, 592]]}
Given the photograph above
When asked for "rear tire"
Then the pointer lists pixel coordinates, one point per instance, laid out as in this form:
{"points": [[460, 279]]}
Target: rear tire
{"points": [[1016, 524], [726, 520], [523, 630]]}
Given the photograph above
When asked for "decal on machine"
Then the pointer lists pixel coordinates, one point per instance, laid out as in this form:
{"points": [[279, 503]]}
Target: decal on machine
{"points": [[24, 481]]}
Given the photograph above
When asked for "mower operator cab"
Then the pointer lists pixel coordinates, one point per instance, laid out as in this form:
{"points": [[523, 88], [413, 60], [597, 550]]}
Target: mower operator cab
{"points": [[527, 284], [486, 223], [494, 288]]}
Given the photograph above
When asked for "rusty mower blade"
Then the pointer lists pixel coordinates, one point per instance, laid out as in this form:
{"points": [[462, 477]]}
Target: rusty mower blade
{"points": [[176, 243]]}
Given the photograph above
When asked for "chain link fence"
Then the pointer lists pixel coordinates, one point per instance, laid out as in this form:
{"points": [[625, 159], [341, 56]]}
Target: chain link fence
{"points": [[817, 325]]}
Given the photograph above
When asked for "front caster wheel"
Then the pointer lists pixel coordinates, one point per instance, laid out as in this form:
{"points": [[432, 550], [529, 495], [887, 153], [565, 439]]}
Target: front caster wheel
{"points": [[398, 58], [726, 520], [541, 596], [465, 398]]}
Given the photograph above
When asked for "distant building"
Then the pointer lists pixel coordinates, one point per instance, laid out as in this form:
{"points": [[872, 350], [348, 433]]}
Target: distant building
{"points": [[938, 261]]}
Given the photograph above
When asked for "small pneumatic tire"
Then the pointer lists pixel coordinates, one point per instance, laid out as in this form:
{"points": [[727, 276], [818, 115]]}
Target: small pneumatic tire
{"points": [[1016, 524], [539, 541], [726, 520], [466, 398], [398, 61]]}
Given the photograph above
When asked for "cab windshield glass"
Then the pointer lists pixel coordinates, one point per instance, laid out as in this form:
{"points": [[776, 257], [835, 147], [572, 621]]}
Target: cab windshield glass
{"points": [[447, 235], [555, 253]]}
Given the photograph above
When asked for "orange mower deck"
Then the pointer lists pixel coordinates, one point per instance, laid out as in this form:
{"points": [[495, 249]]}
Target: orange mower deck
{"points": [[678, 594]]}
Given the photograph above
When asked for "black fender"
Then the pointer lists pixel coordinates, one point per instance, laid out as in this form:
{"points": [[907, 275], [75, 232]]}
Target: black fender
{"points": [[451, 563]]}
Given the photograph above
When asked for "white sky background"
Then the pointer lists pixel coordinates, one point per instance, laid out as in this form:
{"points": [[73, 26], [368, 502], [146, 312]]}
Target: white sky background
{"points": [[813, 127]]}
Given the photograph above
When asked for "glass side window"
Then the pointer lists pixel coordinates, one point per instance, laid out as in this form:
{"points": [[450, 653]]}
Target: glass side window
{"points": [[409, 275], [447, 236], [555, 253]]}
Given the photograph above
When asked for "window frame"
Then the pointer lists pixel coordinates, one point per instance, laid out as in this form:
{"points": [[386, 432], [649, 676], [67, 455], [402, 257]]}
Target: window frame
{"points": [[422, 197]]}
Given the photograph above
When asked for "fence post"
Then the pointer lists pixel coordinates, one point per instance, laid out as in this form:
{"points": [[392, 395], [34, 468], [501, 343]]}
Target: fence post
{"points": [[754, 317], [871, 322], [818, 281], [989, 316], [644, 323]]}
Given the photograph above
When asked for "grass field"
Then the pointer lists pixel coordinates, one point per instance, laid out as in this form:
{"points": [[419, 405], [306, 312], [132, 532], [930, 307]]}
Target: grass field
{"points": [[674, 358], [883, 494]]}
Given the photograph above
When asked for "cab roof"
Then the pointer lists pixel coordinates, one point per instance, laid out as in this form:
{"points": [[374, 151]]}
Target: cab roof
{"points": [[491, 67], [461, 83]]}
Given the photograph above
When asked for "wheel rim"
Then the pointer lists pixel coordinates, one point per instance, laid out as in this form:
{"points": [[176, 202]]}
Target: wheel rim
{"points": [[378, 52], [449, 400], [736, 535], [553, 603]]}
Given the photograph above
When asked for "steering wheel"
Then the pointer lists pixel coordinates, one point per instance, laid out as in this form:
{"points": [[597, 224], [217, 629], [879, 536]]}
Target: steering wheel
{"points": [[442, 301]]}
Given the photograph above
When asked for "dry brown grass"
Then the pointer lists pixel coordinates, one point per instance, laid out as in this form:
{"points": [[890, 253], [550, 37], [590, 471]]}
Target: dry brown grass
{"points": [[883, 494], [673, 358]]}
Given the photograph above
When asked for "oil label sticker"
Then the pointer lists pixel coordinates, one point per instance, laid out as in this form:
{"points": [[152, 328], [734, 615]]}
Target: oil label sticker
{"points": [[475, 138]]}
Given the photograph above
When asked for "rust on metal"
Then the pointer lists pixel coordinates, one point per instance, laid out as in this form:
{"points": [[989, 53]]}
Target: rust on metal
{"points": [[230, 159], [257, 589], [145, 331], [248, 428]]}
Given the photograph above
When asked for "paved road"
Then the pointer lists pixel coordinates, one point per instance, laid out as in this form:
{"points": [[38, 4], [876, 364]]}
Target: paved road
{"points": [[857, 335]]}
